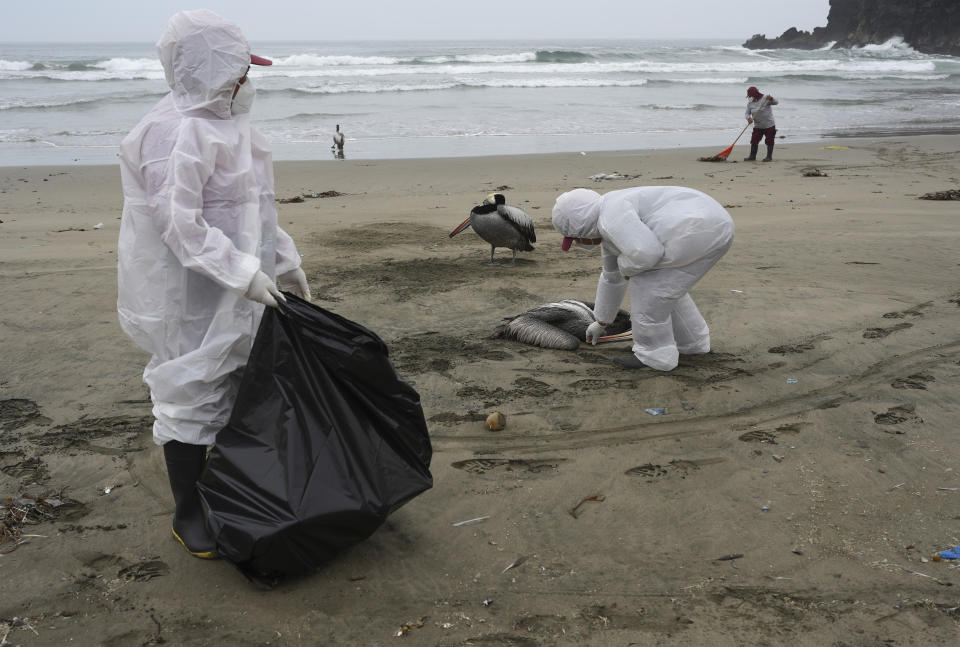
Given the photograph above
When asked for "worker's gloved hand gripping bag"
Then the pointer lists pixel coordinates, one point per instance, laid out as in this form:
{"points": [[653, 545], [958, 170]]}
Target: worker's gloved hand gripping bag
{"points": [[325, 441]]}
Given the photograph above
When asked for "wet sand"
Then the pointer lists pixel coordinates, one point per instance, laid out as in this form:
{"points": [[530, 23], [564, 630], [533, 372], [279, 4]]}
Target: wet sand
{"points": [[818, 441]]}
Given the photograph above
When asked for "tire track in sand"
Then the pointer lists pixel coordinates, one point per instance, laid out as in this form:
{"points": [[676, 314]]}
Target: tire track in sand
{"points": [[849, 389]]}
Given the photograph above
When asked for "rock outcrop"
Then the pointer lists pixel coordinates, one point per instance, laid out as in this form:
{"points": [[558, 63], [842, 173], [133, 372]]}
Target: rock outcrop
{"points": [[930, 26]]}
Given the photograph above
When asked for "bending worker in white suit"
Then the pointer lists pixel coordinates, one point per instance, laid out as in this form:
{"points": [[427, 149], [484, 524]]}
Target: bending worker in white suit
{"points": [[199, 247], [658, 241]]}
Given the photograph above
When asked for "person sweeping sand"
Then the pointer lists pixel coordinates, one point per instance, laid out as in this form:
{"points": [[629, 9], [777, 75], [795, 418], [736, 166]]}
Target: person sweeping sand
{"points": [[760, 113]]}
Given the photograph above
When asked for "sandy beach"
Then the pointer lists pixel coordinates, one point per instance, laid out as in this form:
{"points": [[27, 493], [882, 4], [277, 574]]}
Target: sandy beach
{"points": [[806, 472]]}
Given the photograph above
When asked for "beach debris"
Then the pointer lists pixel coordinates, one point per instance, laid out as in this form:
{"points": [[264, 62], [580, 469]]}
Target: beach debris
{"points": [[487, 602], [814, 173], [496, 421], [15, 621], [27, 509], [797, 551], [658, 411], [730, 557], [949, 194], [311, 194], [737, 291], [612, 176], [515, 563], [406, 627], [950, 553], [913, 572], [575, 510], [504, 187], [948, 489], [470, 522], [99, 225], [897, 486], [108, 489], [778, 458], [765, 508], [712, 158], [835, 148], [792, 380]]}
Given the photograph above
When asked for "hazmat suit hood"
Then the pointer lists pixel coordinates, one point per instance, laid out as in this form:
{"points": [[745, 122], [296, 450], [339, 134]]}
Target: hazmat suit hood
{"points": [[576, 213], [203, 57]]}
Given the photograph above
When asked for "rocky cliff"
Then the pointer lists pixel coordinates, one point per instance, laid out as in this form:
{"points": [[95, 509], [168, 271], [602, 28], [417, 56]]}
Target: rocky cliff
{"points": [[931, 26]]}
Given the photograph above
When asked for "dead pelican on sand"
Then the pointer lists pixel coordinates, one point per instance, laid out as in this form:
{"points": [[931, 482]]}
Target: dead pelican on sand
{"points": [[561, 325], [500, 225]]}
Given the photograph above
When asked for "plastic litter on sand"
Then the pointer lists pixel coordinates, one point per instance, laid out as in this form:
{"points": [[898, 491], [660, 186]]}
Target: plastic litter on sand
{"points": [[657, 412]]}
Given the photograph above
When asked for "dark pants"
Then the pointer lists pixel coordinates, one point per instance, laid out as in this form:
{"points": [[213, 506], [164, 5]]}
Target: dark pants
{"points": [[767, 134]]}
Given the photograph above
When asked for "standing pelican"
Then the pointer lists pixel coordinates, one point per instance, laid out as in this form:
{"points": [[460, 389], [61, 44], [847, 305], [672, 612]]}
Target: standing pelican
{"points": [[500, 225], [338, 141]]}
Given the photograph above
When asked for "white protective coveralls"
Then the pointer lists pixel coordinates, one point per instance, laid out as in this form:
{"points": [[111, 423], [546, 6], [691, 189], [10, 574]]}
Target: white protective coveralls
{"points": [[198, 223], [663, 239]]}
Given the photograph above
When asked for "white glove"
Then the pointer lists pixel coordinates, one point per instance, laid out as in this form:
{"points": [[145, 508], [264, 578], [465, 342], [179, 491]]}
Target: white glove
{"points": [[263, 290], [595, 331], [295, 282]]}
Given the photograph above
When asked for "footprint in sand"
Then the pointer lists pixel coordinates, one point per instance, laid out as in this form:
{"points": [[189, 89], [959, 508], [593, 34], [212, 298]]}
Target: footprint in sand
{"points": [[915, 381], [32, 470], [799, 347], [678, 467], [16, 413], [879, 333], [530, 466], [770, 437], [897, 415]]}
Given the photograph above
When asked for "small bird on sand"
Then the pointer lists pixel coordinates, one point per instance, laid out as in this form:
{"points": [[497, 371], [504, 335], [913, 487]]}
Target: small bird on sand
{"points": [[561, 325], [338, 140], [501, 226]]}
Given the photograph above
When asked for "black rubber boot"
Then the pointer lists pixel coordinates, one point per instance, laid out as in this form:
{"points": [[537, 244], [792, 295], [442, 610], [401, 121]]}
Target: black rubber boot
{"points": [[753, 153], [630, 361], [184, 465], [769, 157]]}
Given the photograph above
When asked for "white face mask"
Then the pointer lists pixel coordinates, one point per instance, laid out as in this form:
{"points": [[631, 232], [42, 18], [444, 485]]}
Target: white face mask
{"points": [[244, 100]]}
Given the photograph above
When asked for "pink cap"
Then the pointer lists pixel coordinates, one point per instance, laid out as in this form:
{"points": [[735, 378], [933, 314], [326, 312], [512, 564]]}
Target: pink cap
{"points": [[259, 60], [567, 242]]}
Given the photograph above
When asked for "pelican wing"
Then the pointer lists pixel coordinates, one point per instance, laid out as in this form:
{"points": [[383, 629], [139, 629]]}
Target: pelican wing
{"points": [[519, 219], [530, 330]]}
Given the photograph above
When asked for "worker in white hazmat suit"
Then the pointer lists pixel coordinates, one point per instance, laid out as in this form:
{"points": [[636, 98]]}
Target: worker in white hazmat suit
{"points": [[199, 248], [656, 242]]}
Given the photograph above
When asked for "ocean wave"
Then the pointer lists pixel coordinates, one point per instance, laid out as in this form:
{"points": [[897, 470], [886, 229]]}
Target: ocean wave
{"points": [[895, 43], [678, 106], [14, 66], [129, 65], [17, 136], [317, 60], [76, 102], [563, 56], [702, 80], [374, 88]]}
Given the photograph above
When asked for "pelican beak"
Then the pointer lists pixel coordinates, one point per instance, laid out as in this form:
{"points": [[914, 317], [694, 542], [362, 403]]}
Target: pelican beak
{"points": [[463, 225]]}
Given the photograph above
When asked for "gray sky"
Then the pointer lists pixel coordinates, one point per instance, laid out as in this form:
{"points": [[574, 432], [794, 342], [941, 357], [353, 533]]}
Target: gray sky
{"points": [[130, 20]]}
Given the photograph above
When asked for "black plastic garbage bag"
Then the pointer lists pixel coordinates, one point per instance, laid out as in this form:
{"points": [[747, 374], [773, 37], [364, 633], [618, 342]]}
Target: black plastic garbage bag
{"points": [[325, 440]]}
